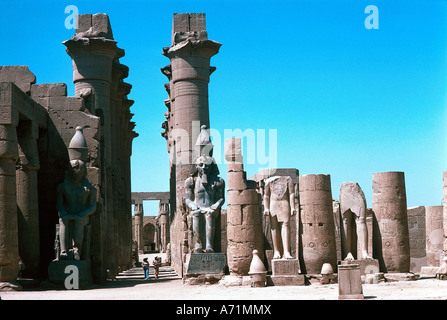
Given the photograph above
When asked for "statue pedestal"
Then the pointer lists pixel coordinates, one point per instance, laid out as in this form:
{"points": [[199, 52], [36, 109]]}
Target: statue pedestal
{"points": [[77, 273], [367, 266], [204, 267], [349, 282], [285, 272]]}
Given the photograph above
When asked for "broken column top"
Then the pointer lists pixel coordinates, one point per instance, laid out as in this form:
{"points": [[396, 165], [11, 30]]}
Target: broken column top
{"points": [[94, 26], [188, 25]]}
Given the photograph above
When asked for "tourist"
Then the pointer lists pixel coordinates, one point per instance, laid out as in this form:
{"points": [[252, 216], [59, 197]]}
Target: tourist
{"points": [[146, 268], [156, 263]]}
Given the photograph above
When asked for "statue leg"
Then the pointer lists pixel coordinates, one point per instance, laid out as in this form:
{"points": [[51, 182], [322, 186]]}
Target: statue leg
{"points": [[196, 235], [63, 233], [347, 231], [275, 237], [285, 235], [78, 237], [362, 233], [210, 226]]}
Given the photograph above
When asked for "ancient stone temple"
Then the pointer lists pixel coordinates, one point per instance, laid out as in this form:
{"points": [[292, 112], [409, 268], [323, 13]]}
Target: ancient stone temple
{"points": [[188, 73], [38, 122], [159, 236]]}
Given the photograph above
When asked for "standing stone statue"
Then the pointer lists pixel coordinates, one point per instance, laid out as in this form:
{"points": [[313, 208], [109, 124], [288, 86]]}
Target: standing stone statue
{"points": [[204, 195], [279, 204], [76, 199], [353, 207]]}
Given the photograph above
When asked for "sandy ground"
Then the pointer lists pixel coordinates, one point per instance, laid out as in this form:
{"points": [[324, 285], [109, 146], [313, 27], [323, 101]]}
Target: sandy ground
{"points": [[130, 285]]}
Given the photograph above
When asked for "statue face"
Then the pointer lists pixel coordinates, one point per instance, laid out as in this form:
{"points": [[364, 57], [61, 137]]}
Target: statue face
{"points": [[203, 168], [78, 168]]}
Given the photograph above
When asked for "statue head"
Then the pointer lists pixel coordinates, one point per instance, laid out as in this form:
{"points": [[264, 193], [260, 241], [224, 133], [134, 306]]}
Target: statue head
{"points": [[206, 166], [78, 170]]}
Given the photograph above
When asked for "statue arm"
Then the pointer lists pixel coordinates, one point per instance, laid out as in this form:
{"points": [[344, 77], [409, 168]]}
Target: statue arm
{"points": [[91, 205], [292, 197], [267, 199], [221, 196], [60, 201], [189, 193]]}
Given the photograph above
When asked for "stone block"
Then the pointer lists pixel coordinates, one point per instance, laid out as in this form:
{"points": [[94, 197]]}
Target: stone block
{"points": [[429, 271], [292, 280], [180, 22], [249, 196], [21, 76], [48, 90], [235, 166], [234, 214], [101, 25], [349, 282], [8, 115], [197, 22], [366, 266], [205, 263], [84, 22], [285, 267], [233, 150], [57, 275], [236, 180]]}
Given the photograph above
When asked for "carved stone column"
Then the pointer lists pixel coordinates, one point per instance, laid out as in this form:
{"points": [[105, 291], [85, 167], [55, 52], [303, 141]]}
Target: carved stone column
{"points": [[163, 220], [27, 198], [9, 245], [138, 214], [93, 51], [391, 238], [189, 74], [244, 223], [317, 223]]}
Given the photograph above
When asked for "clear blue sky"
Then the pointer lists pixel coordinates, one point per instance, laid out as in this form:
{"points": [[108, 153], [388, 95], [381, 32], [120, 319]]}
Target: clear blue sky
{"points": [[344, 100]]}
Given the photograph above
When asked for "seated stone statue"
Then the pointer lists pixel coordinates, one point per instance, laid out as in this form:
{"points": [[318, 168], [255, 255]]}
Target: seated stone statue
{"points": [[279, 204], [76, 200], [204, 195]]}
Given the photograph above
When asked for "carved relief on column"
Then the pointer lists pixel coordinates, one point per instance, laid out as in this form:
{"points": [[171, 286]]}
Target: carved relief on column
{"points": [[389, 203], [317, 223]]}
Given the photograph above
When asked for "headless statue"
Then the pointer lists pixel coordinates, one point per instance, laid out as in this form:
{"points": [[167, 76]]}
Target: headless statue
{"points": [[279, 204], [353, 207], [204, 196]]}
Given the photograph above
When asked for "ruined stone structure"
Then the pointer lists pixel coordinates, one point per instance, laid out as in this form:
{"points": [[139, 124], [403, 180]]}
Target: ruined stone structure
{"points": [[391, 235], [244, 224], [188, 73], [37, 124], [160, 224], [434, 237], [317, 230], [417, 235]]}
